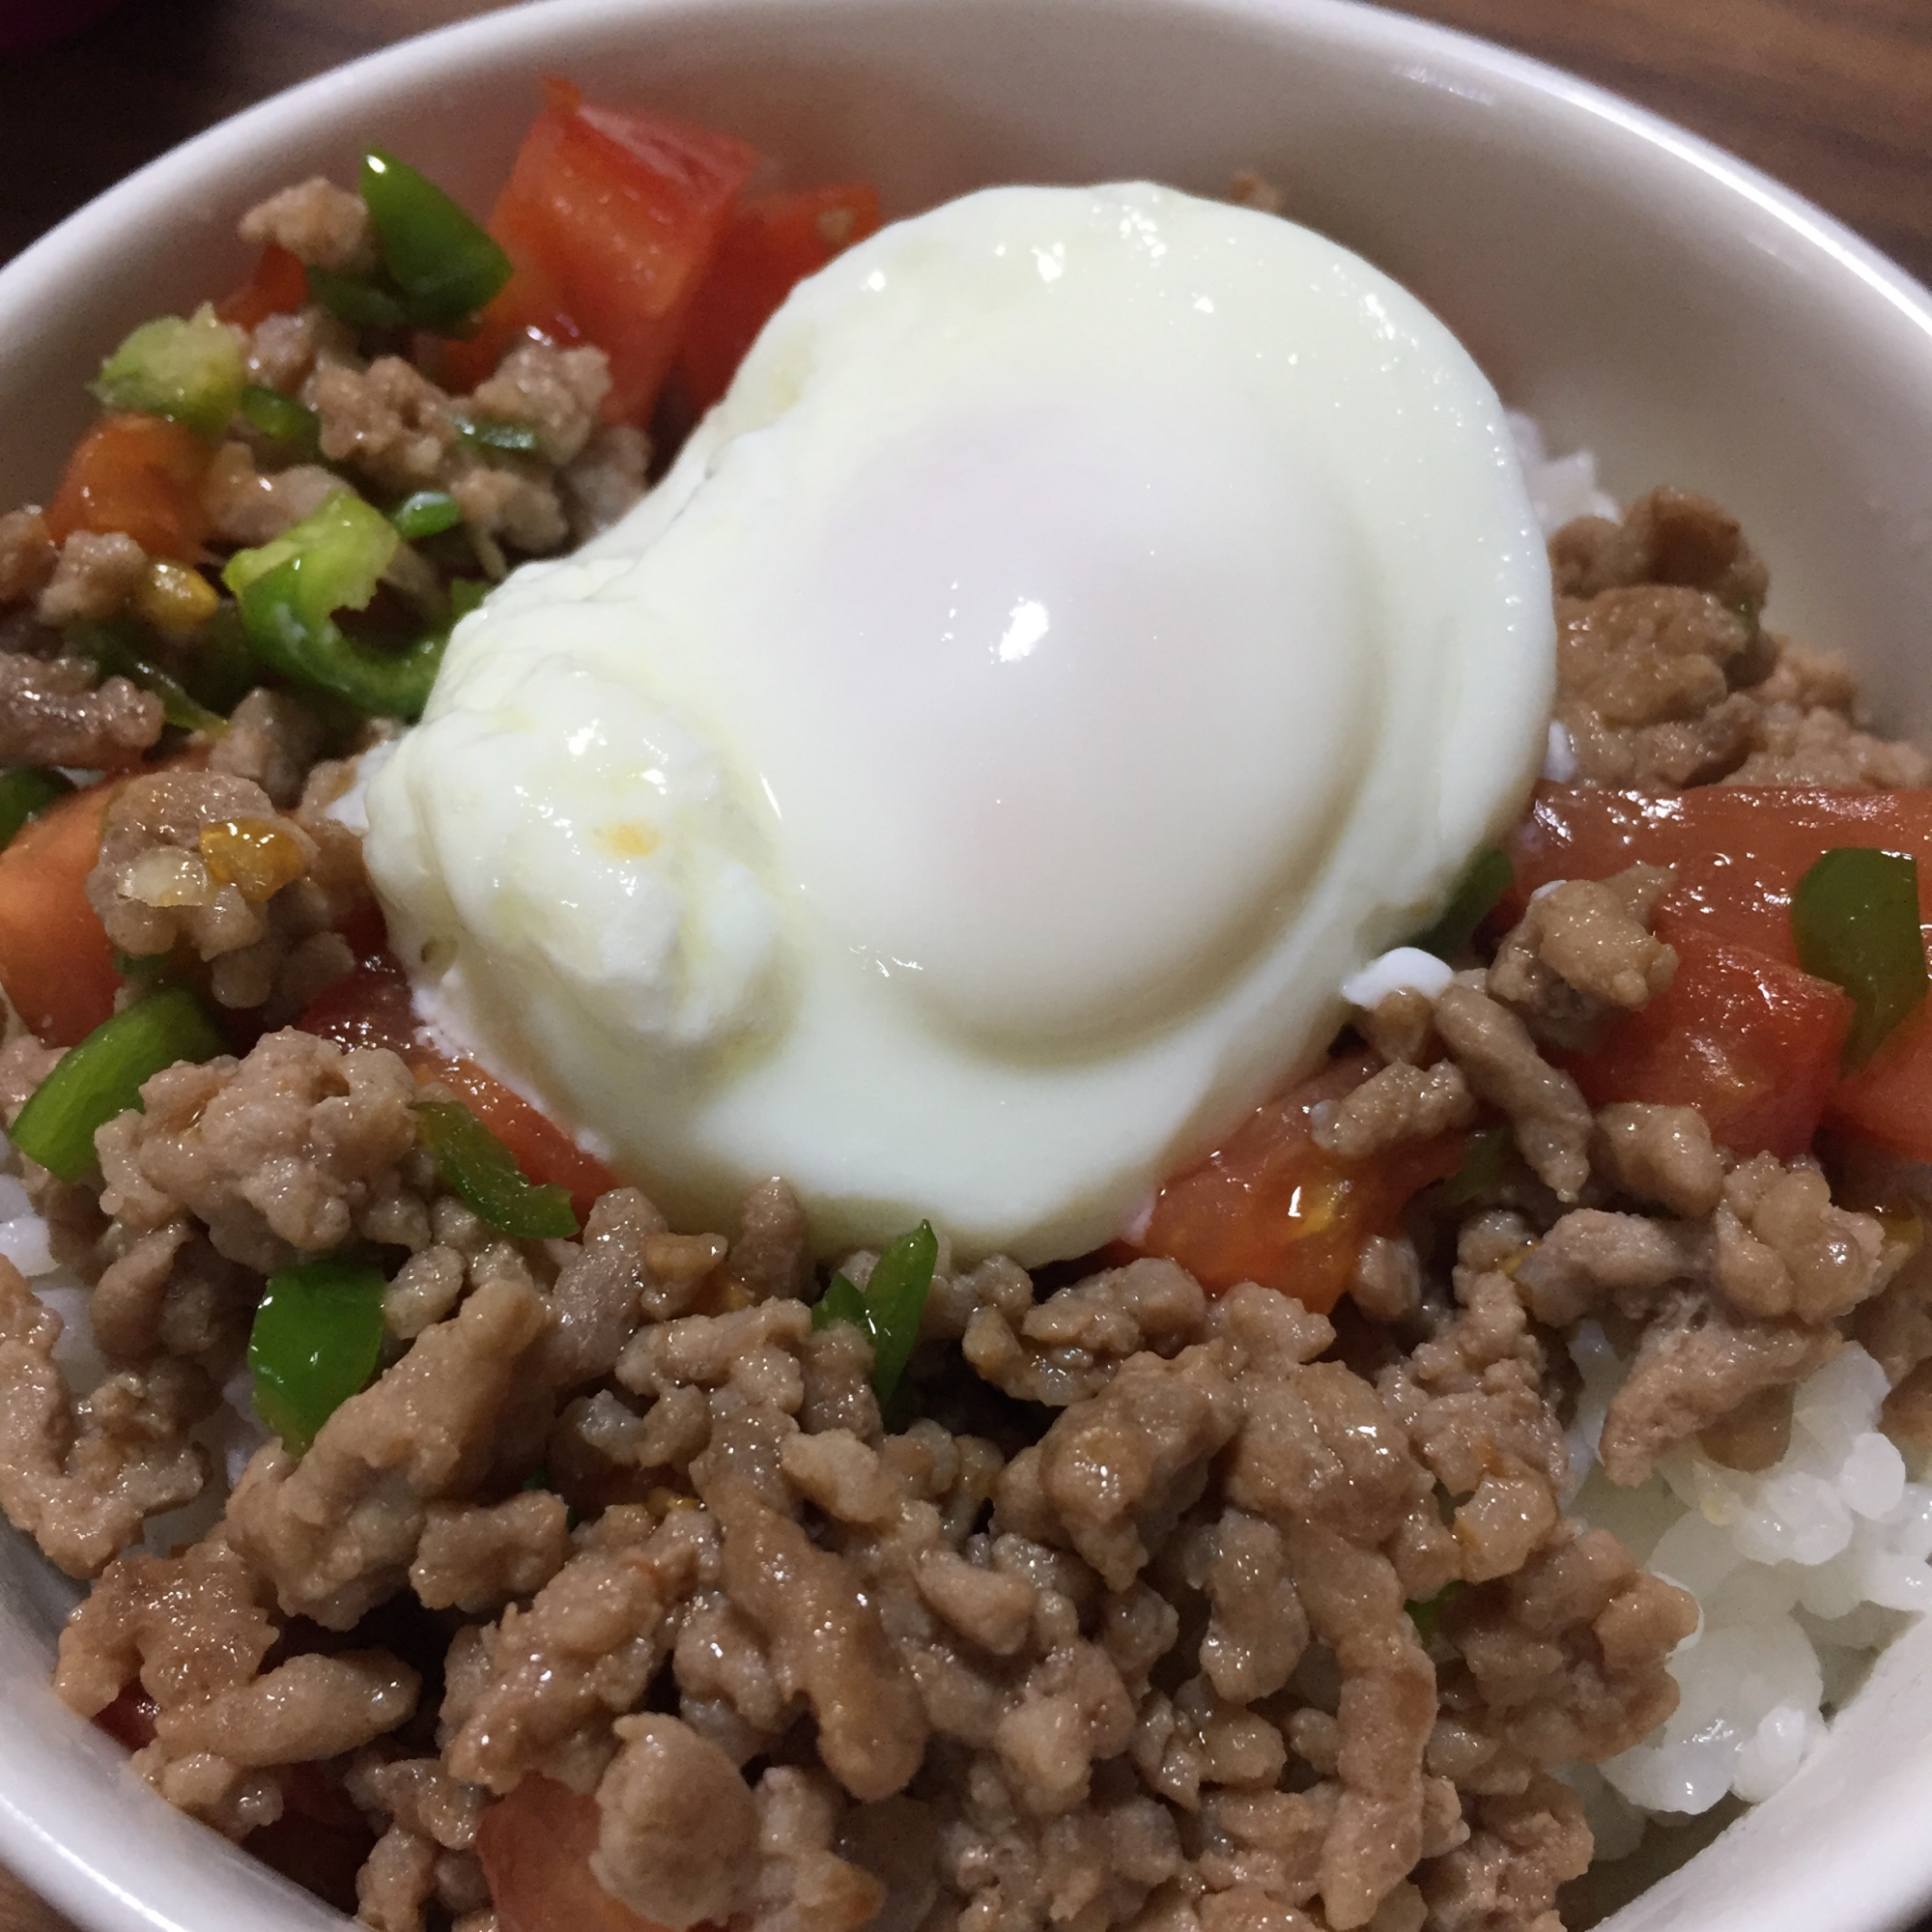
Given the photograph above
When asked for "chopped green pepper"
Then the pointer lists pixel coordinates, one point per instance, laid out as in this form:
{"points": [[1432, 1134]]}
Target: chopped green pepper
{"points": [[483, 1175], [187, 369], [890, 1308], [102, 1077], [283, 420], [443, 260], [1485, 1161], [1486, 879], [426, 514], [357, 300], [317, 1339], [117, 649], [25, 794], [221, 670], [513, 439], [1854, 916], [289, 589], [1426, 1613]]}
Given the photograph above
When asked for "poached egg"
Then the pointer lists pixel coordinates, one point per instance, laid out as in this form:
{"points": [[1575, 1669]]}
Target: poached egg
{"points": [[1095, 623]]}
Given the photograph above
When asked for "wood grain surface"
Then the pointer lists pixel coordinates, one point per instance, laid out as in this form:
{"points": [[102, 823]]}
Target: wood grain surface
{"points": [[1833, 96]]}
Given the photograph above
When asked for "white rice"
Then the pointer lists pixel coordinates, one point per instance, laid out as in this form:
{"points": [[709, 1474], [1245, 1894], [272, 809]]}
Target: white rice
{"points": [[1801, 1573]]}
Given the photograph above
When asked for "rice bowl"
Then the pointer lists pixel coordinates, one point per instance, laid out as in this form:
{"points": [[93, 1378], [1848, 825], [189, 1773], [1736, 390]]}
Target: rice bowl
{"points": [[1831, 596]]}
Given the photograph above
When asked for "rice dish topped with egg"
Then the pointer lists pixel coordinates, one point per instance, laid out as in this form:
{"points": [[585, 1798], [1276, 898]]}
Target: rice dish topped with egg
{"points": [[949, 1074]]}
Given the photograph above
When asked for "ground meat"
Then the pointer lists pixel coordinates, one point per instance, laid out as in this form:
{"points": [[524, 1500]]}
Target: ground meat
{"points": [[310, 1707], [284, 1152], [1669, 536], [1398, 1103], [475, 1557], [521, 508], [1582, 947], [282, 349], [157, 883], [1387, 1708], [826, 1645], [247, 507], [1824, 747], [559, 1673], [389, 420], [1068, 1346], [1590, 1258], [1783, 1249], [322, 225], [82, 1477], [97, 574], [27, 554], [1521, 1849], [553, 391], [679, 1831], [1695, 1365], [337, 1532], [605, 479], [271, 741], [772, 1255], [393, 424], [1551, 1117], [1660, 1154], [52, 711]]}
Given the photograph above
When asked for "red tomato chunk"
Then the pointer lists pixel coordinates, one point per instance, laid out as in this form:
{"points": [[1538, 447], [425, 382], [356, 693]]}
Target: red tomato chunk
{"points": [[535, 1850], [612, 217], [1743, 1033], [1273, 1206], [772, 245]]}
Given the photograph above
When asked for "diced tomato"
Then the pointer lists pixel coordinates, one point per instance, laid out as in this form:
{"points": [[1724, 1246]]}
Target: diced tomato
{"points": [[56, 961], [371, 1007], [612, 217], [1738, 849], [278, 286], [1889, 1099], [1762, 1058], [1274, 1208], [140, 474], [535, 1847], [1750, 1041], [772, 245]]}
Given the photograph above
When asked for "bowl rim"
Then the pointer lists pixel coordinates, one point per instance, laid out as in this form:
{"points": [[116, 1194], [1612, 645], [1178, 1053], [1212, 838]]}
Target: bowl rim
{"points": [[109, 1894]]}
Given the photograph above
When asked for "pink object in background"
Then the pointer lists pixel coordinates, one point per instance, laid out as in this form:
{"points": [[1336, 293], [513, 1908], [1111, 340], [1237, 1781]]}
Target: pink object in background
{"points": [[26, 24]]}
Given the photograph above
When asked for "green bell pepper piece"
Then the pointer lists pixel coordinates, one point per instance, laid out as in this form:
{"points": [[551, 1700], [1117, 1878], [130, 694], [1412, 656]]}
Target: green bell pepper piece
{"points": [[283, 420], [891, 1305], [316, 1340], [442, 261], [498, 433], [483, 1175], [289, 591], [426, 514], [187, 369], [25, 794], [117, 647], [358, 300], [1855, 916], [103, 1075], [1486, 879], [1485, 1161]]}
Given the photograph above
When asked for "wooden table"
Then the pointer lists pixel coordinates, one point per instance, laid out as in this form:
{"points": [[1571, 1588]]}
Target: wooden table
{"points": [[1833, 96]]}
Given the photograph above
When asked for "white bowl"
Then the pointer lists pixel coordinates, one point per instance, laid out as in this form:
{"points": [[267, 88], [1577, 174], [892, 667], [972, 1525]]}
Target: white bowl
{"points": [[1633, 287]]}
